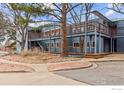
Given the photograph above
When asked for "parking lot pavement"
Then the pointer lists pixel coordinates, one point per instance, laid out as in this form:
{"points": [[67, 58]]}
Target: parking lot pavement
{"points": [[106, 73]]}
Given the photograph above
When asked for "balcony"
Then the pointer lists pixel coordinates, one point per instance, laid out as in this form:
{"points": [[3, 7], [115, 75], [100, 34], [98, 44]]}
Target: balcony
{"points": [[78, 29]]}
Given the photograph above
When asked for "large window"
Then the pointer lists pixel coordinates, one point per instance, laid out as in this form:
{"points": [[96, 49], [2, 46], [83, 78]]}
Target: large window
{"points": [[90, 42], [57, 44]]}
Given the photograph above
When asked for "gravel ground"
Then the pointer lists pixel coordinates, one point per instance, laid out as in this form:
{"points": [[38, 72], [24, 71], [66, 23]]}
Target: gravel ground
{"points": [[106, 73], [38, 58], [7, 67]]}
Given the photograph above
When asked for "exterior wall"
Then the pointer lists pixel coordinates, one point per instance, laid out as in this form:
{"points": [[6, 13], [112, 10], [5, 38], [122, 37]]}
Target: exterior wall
{"points": [[101, 26], [54, 47], [106, 45], [120, 28], [69, 44], [120, 36], [102, 44], [75, 40], [90, 49], [120, 44]]}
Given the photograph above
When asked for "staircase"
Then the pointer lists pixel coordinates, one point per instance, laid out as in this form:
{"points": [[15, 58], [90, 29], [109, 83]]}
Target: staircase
{"points": [[42, 45]]}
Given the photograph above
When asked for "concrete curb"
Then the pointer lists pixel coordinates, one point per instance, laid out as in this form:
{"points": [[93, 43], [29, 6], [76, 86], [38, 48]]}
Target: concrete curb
{"points": [[106, 60], [68, 66]]}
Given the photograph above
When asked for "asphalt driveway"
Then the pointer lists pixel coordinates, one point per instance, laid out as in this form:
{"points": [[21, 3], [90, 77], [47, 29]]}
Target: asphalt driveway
{"points": [[106, 73]]}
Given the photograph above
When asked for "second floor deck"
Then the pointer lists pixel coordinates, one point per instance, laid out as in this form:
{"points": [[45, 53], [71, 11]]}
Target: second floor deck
{"points": [[75, 29]]}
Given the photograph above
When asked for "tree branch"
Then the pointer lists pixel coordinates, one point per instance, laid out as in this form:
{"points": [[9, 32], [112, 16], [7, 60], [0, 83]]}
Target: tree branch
{"points": [[59, 9], [73, 7]]}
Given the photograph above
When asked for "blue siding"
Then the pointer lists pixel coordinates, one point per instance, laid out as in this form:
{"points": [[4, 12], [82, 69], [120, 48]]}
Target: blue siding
{"points": [[120, 44], [120, 32], [120, 28]]}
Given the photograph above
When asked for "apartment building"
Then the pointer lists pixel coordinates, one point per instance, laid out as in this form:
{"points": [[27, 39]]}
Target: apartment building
{"points": [[98, 35]]}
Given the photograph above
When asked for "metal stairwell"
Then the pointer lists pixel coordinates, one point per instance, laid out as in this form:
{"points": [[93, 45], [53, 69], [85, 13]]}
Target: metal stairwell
{"points": [[42, 45]]}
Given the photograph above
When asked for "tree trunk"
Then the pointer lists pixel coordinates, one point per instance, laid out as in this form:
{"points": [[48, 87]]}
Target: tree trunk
{"points": [[80, 38], [81, 44], [23, 45], [64, 52], [18, 44], [23, 41]]}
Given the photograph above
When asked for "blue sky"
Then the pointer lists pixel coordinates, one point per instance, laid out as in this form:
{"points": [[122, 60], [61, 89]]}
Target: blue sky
{"points": [[101, 7], [107, 12]]}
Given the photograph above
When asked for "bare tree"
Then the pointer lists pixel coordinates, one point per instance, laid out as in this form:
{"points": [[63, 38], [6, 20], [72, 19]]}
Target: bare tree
{"points": [[60, 12], [77, 18], [117, 7], [88, 8]]}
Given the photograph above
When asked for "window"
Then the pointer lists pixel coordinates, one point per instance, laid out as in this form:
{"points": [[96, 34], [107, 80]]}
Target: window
{"points": [[52, 44], [104, 22], [88, 44], [90, 27], [82, 29], [76, 44], [88, 38], [92, 44], [57, 44], [74, 30], [48, 44], [52, 33], [57, 33]]}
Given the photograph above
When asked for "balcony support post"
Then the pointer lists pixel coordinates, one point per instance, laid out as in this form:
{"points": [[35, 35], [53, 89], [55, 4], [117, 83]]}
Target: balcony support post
{"points": [[111, 44], [100, 42], [95, 41]]}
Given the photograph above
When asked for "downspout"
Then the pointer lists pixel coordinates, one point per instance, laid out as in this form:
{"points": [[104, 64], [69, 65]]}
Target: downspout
{"points": [[99, 39], [85, 36]]}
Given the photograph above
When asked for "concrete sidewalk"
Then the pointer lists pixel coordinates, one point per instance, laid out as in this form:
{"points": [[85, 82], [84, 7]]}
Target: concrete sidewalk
{"points": [[40, 77]]}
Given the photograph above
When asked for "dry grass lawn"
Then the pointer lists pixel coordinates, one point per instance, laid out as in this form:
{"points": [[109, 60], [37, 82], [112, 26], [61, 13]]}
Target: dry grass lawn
{"points": [[38, 58]]}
